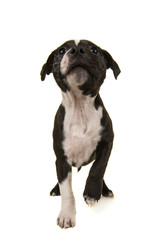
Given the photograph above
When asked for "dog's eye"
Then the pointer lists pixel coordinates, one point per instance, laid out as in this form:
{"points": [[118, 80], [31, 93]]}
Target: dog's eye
{"points": [[94, 50], [62, 51]]}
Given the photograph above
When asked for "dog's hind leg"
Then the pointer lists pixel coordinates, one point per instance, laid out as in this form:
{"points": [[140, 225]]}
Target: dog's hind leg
{"points": [[106, 192], [55, 191]]}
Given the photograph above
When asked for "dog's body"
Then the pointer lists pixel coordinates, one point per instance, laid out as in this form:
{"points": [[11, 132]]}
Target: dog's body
{"points": [[83, 129]]}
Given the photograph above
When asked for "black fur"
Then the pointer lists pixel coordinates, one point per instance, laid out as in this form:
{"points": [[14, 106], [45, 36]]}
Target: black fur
{"points": [[106, 192], [103, 61], [96, 63]]}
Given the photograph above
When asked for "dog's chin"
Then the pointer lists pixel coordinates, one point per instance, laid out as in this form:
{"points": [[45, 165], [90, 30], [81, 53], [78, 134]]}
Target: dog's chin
{"points": [[77, 76]]}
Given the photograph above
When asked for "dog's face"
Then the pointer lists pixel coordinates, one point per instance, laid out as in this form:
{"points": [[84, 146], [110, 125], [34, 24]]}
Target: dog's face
{"points": [[79, 64]]}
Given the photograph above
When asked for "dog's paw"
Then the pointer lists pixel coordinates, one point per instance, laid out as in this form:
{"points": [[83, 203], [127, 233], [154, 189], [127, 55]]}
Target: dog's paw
{"points": [[93, 191], [55, 191], [108, 194], [66, 221], [90, 201]]}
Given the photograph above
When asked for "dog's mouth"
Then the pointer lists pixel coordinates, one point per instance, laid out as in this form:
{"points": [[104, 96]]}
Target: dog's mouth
{"points": [[77, 75], [77, 69]]}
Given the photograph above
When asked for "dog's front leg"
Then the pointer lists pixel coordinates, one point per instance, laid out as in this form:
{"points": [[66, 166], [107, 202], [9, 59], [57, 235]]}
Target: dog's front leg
{"points": [[67, 214], [95, 184]]}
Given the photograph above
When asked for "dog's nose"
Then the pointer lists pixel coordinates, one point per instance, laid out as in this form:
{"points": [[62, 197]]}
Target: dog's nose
{"points": [[73, 51], [81, 50]]}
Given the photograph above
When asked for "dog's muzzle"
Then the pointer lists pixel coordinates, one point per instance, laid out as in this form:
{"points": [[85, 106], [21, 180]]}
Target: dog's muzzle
{"points": [[73, 66], [73, 58], [77, 76]]}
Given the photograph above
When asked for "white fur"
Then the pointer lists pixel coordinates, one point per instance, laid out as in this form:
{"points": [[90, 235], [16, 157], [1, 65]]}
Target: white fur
{"points": [[77, 41], [67, 214], [82, 127], [82, 122], [90, 201], [64, 63]]}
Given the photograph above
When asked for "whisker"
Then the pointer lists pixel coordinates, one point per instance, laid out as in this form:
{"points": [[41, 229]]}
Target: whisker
{"points": [[57, 68], [56, 55], [59, 56], [56, 63]]}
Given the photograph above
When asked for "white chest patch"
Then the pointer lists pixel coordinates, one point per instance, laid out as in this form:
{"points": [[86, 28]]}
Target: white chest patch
{"points": [[82, 128]]}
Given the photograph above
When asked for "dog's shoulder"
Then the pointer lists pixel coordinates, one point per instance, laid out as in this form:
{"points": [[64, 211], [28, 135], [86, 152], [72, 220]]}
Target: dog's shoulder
{"points": [[58, 135], [106, 122]]}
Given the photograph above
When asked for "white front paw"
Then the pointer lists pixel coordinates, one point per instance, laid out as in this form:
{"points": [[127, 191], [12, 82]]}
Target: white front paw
{"points": [[66, 220]]}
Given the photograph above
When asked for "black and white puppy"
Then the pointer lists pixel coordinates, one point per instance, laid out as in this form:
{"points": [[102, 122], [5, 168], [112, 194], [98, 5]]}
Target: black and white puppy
{"points": [[82, 128]]}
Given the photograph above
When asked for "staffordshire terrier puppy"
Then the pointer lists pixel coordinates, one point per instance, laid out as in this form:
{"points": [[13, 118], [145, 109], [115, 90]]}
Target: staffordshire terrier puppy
{"points": [[82, 128]]}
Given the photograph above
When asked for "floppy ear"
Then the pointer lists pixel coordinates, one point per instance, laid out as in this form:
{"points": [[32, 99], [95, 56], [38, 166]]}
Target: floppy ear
{"points": [[111, 63], [47, 67]]}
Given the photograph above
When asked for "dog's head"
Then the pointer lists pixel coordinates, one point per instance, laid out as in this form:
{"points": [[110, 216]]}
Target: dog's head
{"points": [[79, 64]]}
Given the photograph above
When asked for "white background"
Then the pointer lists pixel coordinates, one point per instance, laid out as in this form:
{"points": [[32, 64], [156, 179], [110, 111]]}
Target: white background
{"points": [[129, 31]]}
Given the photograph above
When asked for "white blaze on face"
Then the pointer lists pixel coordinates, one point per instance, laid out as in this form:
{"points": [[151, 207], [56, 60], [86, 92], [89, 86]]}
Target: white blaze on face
{"points": [[77, 41], [64, 63], [78, 75], [65, 60]]}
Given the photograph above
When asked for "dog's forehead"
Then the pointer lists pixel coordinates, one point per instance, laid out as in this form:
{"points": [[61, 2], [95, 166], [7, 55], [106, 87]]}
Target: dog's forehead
{"points": [[86, 43], [77, 42], [83, 42]]}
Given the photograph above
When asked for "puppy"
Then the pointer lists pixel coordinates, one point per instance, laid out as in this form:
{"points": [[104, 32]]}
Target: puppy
{"points": [[82, 128]]}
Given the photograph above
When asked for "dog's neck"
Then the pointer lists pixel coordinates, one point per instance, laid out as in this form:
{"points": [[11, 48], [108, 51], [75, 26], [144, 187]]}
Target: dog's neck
{"points": [[75, 98]]}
